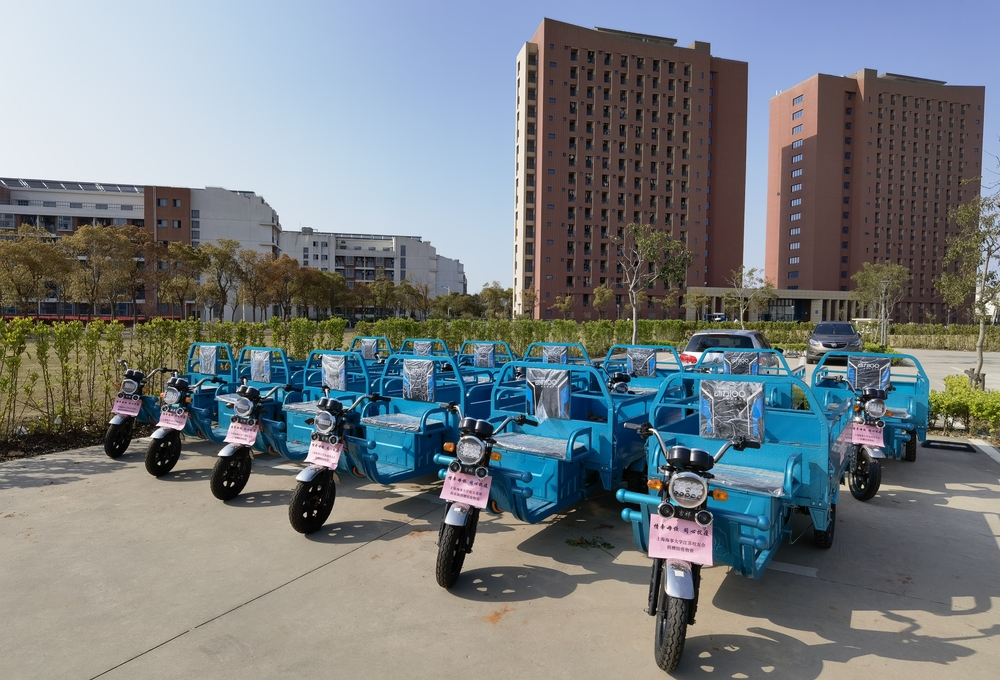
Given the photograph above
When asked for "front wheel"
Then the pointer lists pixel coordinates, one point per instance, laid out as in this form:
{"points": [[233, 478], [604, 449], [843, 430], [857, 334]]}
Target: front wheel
{"points": [[454, 542], [118, 437], [231, 474], [671, 631], [163, 454], [866, 476], [312, 503]]}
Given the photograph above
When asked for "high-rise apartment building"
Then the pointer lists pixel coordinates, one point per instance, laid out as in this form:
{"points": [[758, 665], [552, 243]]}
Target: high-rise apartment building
{"points": [[616, 127], [865, 168]]}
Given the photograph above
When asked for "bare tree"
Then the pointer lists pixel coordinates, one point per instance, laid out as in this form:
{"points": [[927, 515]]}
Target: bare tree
{"points": [[750, 292]]}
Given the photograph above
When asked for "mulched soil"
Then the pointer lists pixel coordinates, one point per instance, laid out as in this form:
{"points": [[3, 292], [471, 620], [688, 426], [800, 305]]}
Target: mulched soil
{"points": [[40, 443]]}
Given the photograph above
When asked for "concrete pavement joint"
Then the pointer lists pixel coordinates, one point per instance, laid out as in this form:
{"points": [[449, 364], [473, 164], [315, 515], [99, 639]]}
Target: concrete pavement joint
{"points": [[264, 594]]}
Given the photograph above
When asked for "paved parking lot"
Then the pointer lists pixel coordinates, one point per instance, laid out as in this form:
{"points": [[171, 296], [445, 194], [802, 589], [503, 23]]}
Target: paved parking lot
{"points": [[111, 573]]}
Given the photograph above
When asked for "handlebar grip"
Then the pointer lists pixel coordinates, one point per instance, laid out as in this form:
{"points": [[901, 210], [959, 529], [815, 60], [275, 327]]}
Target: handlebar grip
{"points": [[378, 397], [292, 388], [632, 426], [529, 421]]}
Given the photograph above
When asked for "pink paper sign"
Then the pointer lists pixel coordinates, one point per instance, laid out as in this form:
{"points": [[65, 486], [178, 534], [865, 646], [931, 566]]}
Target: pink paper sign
{"points": [[175, 420], [867, 434], [463, 488], [325, 454], [683, 539], [239, 433], [124, 406]]}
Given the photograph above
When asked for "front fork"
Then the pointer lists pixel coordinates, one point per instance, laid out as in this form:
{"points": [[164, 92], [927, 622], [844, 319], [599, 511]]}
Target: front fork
{"points": [[461, 515]]}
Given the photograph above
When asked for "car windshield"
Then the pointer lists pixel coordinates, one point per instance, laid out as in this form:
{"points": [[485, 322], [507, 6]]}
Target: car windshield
{"points": [[835, 329], [700, 343]]}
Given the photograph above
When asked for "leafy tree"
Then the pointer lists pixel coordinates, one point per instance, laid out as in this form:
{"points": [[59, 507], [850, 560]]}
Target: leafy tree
{"points": [[698, 302], [29, 264], [528, 298], [750, 292], [417, 297], [497, 300], [178, 276], [142, 280], [281, 276], [564, 304], [253, 269], [974, 256], [383, 293], [646, 256], [879, 287], [107, 259], [221, 268]]}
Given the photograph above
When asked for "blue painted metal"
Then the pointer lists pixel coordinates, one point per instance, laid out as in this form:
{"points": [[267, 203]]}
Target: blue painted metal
{"points": [[799, 465], [434, 347], [502, 354], [280, 371], [908, 400], [666, 362], [550, 466], [408, 432], [203, 411]]}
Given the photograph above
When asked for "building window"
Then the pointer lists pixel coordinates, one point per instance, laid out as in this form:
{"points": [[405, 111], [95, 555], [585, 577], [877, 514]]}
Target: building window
{"points": [[797, 158], [797, 129], [162, 224], [793, 260], [795, 231], [176, 224], [161, 202], [795, 217], [796, 187], [794, 245], [843, 275], [797, 143], [64, 223], [797, 114], [195, 214], [797, 100], [795, 202], [177, 202], [793, 275], [195, 224]]}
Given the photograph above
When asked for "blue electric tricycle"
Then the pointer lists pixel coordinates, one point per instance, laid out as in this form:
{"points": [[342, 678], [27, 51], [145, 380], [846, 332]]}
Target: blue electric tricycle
{"points": [[730, 459], [890, 396], [553, 437], [264, 375]]}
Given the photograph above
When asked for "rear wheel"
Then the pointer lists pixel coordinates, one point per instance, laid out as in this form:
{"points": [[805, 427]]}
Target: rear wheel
{"points": [[312, 503], [866, 476], [910, 450], [824, 539], [671, 631], [118, 438], [231, 474], [163, 454]]}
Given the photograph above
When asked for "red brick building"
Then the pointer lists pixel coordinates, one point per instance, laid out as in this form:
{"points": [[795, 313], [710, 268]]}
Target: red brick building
{"points": [[865, 168], [615, 127]]}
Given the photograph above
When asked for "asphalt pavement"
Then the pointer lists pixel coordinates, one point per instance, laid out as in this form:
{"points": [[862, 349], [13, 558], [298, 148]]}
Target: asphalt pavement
{"points": [[111, 573]]}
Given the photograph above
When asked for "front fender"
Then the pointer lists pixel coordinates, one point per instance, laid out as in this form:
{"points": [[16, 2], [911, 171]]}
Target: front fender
{"points": [[162, 432], [231, 450], [118, 419], [680, 581], [310, 473], [875, 452], [457, 515]]}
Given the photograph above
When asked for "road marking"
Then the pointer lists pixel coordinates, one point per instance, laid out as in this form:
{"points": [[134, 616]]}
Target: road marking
{"points": [[796, 569], [987, 449]]}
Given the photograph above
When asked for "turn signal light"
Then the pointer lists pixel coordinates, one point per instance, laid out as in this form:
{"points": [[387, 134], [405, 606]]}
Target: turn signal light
{"points": [[888, 414], [720, 495], [495, 455], [118, 384], [449, 447], [187, 400], [655, 484]]}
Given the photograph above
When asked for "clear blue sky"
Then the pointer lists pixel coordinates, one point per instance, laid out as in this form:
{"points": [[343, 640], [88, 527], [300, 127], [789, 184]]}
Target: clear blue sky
{"points": [[399, 116]]}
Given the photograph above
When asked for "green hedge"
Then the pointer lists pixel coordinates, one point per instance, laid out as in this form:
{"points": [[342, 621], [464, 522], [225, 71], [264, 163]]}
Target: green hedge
{"points": [[976, 410]]}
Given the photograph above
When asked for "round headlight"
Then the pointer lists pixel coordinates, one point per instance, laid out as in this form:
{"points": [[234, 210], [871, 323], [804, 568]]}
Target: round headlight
{"points": [[129, 386], [469, 450], [171, 396], [243, 407], [875, 408], [324, 422], [687, 490]]}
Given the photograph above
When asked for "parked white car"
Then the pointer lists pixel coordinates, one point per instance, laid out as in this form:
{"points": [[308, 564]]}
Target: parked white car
{"points": [[720, 341]]}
